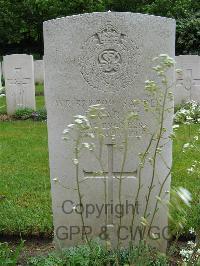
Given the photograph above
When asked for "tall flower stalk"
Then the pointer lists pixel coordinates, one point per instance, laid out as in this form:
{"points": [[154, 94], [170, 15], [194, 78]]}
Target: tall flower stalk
{"points": [[165, 63], [91, 135]]}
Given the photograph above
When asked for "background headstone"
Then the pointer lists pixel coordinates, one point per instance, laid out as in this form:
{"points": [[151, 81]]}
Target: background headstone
{"points": [[0, 74], [19, 82], [39, 71], [188, 83], [102, 58]]}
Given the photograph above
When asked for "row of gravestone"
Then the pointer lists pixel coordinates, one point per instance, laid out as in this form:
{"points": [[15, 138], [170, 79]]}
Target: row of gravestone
{"points": [[21, 72], [102, 58], [38, 71]]}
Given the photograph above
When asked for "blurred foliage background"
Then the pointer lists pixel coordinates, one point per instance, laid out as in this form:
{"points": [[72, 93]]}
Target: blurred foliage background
{"points": [[21, 20]]}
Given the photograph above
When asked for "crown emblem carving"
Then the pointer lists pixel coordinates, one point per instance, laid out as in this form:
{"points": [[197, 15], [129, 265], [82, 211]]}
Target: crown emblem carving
{"points": [[109, 35]]}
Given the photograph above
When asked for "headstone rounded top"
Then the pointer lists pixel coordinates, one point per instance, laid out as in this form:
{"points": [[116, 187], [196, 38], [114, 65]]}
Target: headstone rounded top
{"points": [[17, 55], [107, 14], [107, 47], [189, 56]]}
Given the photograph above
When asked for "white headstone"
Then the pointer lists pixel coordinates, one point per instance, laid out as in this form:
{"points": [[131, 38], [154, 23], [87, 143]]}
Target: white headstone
{"points": [[0, 75], [102, 58], [39, 71], [188, 82], [19, 82]]}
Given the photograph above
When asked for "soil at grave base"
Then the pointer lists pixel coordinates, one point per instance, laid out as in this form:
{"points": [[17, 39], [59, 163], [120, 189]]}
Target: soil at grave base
{"points": [[33, 246], [5, 117], [39, 94], [36, 246]]}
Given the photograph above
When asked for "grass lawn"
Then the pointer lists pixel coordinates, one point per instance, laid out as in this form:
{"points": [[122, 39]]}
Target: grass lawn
{"points": [[24, 178], [186, 170], [25, 204], [39, 89]]}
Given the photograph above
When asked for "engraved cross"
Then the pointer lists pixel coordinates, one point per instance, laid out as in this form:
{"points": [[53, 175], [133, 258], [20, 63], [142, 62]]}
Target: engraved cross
{"points": [[110, 176], [19, 82], [186, 81]]}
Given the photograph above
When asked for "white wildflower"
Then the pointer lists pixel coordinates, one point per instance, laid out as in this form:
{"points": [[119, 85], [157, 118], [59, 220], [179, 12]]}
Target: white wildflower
{"points": [[66, 131], [192, 244], [190, 170], [154, 236], [150, 160], [184, 195], [80, 116], [144, 221], [158, 149], [70, 125], [86, 145], [91, 135], [175, 126], [192, 231], [75, 161], [186, 145], [78, 121], [189, 118], [186, 254]]}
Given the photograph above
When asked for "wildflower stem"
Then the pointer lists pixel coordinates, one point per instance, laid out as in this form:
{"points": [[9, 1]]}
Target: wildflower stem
{"points": [[155, 153], [120, 181], [78, 188]]}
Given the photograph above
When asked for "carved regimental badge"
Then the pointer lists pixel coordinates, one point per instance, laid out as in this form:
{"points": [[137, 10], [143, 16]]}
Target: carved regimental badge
{"points": [[109, 59]]}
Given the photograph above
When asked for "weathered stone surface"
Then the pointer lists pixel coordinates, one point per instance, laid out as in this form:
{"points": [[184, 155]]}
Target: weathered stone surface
{"points": [[103, 58], [39, 71], [19, 82], [188, 83]]}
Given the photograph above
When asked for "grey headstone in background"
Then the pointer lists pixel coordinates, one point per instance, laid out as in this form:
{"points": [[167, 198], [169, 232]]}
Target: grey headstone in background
{"points": [[19, 82], [102, 58], [39, 71], [0, 74], [188, 83]]}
